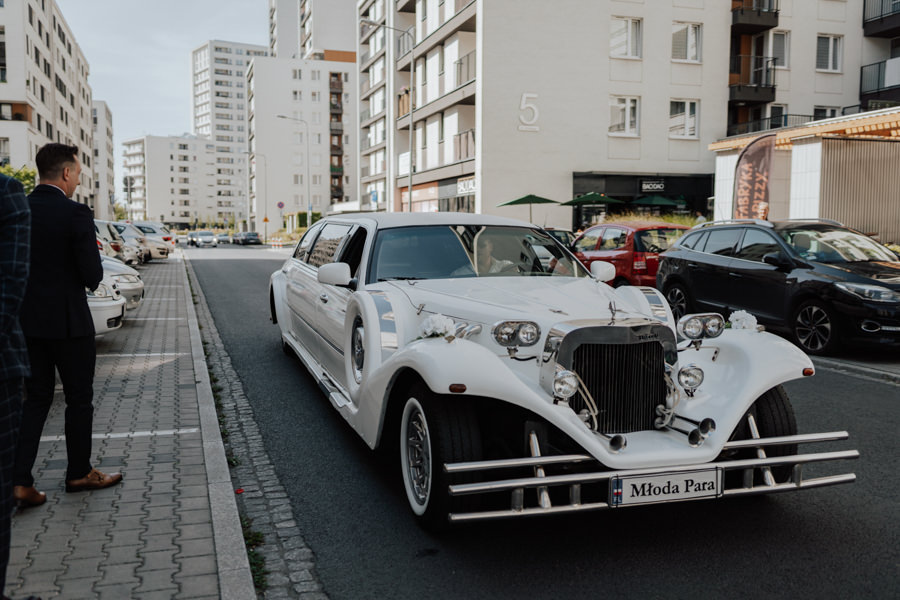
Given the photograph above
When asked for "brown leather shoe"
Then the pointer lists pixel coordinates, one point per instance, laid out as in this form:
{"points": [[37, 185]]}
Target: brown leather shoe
{"points": [[95, 480], [27, 496]]}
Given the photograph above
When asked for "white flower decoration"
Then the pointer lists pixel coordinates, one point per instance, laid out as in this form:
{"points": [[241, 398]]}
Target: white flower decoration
{"points": [[438, 325], [741, 319]]}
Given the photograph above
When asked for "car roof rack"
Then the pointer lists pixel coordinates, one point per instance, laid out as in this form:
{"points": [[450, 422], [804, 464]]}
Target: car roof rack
{"points": [[818, 220], [759, 222]]}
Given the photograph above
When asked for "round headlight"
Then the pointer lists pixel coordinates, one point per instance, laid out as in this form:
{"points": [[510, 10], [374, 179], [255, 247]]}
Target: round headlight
{"points": [[693, 328], [565, 384], [714, 326], [102, 291], [529, 334], [505, 333], [690, 377]]}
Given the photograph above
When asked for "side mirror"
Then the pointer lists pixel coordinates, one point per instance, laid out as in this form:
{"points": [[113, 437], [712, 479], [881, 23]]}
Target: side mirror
{"points": [[336, 274], [603, 271], [776, 259]]}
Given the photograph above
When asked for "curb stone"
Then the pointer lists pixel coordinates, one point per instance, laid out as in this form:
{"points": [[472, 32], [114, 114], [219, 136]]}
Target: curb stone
{"points": [[873, 372], [284, 549], [233, 567]]}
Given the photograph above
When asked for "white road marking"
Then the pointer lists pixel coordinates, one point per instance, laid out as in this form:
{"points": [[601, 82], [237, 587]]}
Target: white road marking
{"points": [[127, 434]]}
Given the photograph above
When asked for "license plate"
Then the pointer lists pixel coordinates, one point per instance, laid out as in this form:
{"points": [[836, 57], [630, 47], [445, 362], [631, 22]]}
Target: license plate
{"points": [[665, 487]]}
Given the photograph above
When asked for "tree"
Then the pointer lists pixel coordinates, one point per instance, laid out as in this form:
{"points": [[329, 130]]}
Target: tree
{"points": [[26, 175], [121, 212]]}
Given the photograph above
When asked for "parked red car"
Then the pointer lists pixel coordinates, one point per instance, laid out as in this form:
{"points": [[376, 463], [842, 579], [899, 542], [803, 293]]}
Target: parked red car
{"points": [[632, 247]]}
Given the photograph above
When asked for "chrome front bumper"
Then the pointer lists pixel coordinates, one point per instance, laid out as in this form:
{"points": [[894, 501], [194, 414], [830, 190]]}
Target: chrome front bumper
{"points": [[542, 483]]}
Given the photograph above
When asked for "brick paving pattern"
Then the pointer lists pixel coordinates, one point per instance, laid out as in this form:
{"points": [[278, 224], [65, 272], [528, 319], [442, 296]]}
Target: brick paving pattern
{"points": [[290, 562], [152, 536]]}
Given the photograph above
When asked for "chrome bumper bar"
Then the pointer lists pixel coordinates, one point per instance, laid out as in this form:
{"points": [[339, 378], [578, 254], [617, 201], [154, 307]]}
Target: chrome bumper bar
{"points": [[517, 486]]}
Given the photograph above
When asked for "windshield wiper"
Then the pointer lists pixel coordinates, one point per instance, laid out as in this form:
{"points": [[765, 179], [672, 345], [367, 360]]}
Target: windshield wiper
{"points": [[400, 278]]}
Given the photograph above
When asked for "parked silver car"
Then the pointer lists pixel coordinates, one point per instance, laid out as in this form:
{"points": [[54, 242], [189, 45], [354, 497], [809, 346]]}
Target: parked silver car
{"points": [[158, 232], [132, 234], [129, 253]]}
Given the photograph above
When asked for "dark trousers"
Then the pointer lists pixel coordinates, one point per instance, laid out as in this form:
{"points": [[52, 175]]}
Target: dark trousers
{"points": [[75, 359], [10, 416]]}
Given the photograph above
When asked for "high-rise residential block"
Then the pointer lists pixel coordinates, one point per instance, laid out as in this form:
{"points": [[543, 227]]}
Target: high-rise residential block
{"points": [[284, 28], [327, 29], [219, 110], [104, 161], [44, 91]]}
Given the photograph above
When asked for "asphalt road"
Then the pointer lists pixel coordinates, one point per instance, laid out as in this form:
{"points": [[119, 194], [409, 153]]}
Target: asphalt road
{"points": [[832, 542]]}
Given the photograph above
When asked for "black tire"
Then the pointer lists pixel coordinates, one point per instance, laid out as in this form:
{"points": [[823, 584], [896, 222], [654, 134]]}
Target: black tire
{"points": [[620, 282], [679, 300], [814, 328], [774, 417], [433, 432]]}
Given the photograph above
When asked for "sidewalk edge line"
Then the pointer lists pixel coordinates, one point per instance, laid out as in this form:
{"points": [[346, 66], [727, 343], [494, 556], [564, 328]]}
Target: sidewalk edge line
{"points": [[232, 565], [861, 370]]}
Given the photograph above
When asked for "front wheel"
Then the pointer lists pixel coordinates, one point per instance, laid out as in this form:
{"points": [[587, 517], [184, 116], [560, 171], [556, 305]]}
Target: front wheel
{"points": [[815, 328], [434, 432], [679, 300]]}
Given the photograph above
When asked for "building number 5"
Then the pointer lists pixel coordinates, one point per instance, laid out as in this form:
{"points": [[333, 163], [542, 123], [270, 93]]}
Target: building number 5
{"points": [[529, 116]]}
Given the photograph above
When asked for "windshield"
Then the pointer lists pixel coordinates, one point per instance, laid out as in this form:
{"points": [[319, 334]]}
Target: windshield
{"points": [[453, 251], [834, 245]]}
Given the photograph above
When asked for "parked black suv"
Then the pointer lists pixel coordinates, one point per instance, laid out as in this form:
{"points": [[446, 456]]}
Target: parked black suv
{"points": [[816, 280]]}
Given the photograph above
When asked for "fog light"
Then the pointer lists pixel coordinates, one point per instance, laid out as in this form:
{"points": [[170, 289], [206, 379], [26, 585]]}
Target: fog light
{"points": [[690, 377], [565, 384]]}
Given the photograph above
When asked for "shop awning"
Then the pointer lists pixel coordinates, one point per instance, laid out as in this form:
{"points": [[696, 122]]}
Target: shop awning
{"points": [[591, 198], [529, 200]]}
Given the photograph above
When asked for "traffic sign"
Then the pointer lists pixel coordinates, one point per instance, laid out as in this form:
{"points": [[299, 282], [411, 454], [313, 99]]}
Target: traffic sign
{"points": [[265, 219], [281, 205]]}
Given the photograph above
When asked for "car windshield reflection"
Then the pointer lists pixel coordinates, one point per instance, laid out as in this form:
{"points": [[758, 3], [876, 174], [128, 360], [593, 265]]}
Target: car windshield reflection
{"points": [[457, 251], [829, 245]]}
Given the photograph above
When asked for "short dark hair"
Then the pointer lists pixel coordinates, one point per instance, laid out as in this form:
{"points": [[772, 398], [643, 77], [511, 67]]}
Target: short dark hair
{"points": [[53, 158]]}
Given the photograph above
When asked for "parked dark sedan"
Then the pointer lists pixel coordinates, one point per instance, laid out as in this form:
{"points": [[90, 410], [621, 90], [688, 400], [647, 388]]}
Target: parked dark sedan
{"points": [[820, 282], [247, 237]]}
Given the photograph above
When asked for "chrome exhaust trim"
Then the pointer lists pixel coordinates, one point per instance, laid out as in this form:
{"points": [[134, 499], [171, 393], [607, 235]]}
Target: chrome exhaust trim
{"points": [[870, 326]]}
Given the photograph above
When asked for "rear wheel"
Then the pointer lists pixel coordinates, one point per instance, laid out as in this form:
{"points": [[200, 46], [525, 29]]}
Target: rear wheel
{"points": [[774, 417], [679, 300], [434, 432], [814, 328]]}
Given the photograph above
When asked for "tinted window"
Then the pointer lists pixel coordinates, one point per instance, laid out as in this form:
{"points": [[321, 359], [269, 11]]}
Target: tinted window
{"points": [[588, 241], [327, 244], [353, 252], [830, 244], [655, 240], [307, 239], [613, 238], [756, 244], [693, 240], [722, 241]]}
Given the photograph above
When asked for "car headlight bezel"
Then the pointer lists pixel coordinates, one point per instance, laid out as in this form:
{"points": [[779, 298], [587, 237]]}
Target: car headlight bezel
{"points": [[701, 326], [127, 278], [690, 377], [516, 333], [565, 383], [869, 292], [102, 291]]}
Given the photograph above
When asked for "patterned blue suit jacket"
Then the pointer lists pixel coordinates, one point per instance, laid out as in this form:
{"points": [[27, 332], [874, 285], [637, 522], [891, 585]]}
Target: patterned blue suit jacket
{"points": [[15, 240]]}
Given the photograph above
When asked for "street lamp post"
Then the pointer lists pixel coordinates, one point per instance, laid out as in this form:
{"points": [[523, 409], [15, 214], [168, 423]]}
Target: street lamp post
{"points": [[307, 161], [265, 198], [412, 96]]}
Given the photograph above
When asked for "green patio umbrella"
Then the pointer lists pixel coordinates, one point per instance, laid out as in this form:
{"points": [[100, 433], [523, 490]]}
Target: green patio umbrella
{"points": [[591, 198], [657, 201], [529, 200]]}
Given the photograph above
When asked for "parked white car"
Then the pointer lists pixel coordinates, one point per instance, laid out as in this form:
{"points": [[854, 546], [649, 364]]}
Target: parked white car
{"points": [[127, 279], [157, 231], [132, 235], [510, 387], [107, 306]]}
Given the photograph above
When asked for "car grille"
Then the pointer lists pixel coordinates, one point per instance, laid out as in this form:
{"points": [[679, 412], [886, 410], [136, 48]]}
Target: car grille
{"points": [[627, 382]]}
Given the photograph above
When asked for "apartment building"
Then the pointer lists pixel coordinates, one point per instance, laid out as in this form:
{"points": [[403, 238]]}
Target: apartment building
{"points": [[175, 181], [625, 101], [284, 28], [880, 73], [219, 110], [104, 161], [302, 140], [327, 29], [44, 91]]}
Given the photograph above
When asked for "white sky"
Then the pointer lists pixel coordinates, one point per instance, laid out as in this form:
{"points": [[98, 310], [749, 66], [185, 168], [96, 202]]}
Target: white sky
{"points": [[139, 52]]}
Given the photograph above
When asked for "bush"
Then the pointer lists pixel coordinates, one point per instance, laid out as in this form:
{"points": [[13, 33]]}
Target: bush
{"points": [[688, 219]]}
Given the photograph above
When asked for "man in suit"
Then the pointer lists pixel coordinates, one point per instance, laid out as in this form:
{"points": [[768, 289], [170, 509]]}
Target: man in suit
{"points": [[57, 323], [15, 223]]}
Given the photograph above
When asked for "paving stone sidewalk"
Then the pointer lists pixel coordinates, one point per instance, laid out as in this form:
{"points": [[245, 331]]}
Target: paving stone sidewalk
{"points": [[171, 529]]}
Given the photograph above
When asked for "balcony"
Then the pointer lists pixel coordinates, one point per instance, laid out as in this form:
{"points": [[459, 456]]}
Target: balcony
{"points": [[751, 80], [337, 192], [753, 16], [336, 127], [364, 115], [881, 18], [337, 149], [336, 107], [404, 42], [403, 103], [337, 169], [335, 84], [770, 123], [465, 69], [364, 171], [879, 84], [464, 145]]}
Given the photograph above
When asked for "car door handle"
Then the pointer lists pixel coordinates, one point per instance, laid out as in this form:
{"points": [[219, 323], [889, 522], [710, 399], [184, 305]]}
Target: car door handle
{"points": [[734, 274], [323, 297], [692, 264]]}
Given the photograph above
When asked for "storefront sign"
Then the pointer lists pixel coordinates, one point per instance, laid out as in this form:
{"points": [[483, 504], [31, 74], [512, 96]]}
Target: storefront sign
{"points": [[465, 186], [653, 185]]}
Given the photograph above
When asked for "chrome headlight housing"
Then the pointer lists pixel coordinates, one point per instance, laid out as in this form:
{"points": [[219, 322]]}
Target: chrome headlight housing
{"points": [[125, 278], [690, 377], [704, 325], [565, 383], [102, 291], [872, 293], [516, 333]]}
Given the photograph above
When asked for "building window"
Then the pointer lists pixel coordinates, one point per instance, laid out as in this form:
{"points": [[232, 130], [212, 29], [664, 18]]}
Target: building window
{"points": [[625, 37], [777, 115], [780, 48], [828, 53], [683, 118], [686, 42], [624, 117], [824, 112]]}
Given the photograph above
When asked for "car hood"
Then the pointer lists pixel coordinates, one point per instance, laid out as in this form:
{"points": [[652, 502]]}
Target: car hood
{"points": [[486, 299], [115, 267], [879, 272]]}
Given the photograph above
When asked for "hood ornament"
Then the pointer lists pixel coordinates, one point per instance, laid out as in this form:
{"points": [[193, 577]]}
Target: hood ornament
{"points": [[612, 312]]}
